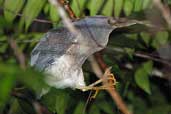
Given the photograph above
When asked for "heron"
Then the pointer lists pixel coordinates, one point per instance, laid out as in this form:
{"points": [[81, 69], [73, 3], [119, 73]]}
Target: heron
{"points": [[61, 54]]}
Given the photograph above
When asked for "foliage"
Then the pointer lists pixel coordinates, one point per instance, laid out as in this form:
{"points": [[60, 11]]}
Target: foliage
{"points": [[140, 89]]}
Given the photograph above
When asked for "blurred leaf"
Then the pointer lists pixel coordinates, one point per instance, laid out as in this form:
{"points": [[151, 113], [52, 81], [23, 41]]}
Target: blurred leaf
{"points": [[46, 8], [1, 2], [130, 52], [142, 76], [108, 8], [54, 16], [31, 11], [163, 109], [78, 6], [94, 110], [145, 37], [106, 107], [33, 79], [94, 6], [146, 3], [60, 100], [80, 108], [118, 7], [168, 1], [7, 79], [15, 107], [160, 39], [128, 7], [12, 7], [138, 5]]}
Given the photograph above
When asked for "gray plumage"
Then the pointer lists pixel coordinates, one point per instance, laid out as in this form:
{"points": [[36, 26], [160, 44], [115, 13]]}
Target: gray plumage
{"points": [[61, 54]]}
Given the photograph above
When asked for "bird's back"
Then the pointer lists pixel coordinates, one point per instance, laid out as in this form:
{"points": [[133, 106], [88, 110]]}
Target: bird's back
{"points": [[53, 45]]}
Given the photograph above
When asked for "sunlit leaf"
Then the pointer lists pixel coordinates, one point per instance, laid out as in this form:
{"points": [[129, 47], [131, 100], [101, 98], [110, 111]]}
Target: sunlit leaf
{"points": [[108, 8], [54, 16], [146, 3], [138, 5], [95, 6], [46, 8], [12, 7], [78, 6], [118, 4], [31, 11], [128, 7], [142, 76]]}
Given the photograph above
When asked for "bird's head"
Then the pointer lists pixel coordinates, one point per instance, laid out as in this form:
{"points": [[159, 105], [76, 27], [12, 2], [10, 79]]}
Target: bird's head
{"points": [[96, 29]]}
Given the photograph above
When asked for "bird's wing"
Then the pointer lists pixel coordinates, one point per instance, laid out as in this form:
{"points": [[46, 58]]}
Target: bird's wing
{"points": [[54, 44]]}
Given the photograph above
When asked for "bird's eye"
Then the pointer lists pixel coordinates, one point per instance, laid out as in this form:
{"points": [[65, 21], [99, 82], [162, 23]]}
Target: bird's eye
{"points": [[112, 21]]}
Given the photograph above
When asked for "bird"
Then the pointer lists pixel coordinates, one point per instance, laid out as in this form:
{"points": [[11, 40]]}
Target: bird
{"points": [[60, 54]]}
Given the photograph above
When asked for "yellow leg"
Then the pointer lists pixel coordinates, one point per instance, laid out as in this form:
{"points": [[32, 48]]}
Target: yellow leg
{"points": [[109, 80]]}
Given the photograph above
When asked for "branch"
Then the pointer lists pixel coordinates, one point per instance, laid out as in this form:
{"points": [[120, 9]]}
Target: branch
{"points": [[19, 55], [25, 17], [113, 93], [164, 11], [142, 55], [66, 20]]}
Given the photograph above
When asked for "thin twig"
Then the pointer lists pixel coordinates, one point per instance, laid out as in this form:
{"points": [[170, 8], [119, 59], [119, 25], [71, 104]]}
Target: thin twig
{"points": [[68, 9], [164, 11], [66, 20], [25, 17], [142, 55], [19, 55], [113, 93]]}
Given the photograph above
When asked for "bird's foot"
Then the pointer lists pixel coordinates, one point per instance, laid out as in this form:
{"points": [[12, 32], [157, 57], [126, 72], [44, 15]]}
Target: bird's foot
{"points": [[107, 79]]}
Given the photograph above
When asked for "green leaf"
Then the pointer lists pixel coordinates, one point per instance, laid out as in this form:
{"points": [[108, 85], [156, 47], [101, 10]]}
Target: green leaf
{"points": [[60, 102], [46, 8], [94, 6], [138, 5], [146, 4], [94, 110], [7, 79], [145, 37], [1, 2], [78, 6], [160, 39], [128, 7], [118, 7], [142, 76], [80, 108], [31, 11], [130, 52], [12, 7], [108, 8], [32, 79], [106, 107], [54, 16]]}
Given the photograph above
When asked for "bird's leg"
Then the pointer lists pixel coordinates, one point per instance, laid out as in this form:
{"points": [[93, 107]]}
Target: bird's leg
{"points": [[109, 82]]}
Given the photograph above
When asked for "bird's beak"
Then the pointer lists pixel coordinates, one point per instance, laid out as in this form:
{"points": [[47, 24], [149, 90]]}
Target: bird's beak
{"points": [[123, 22]]}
